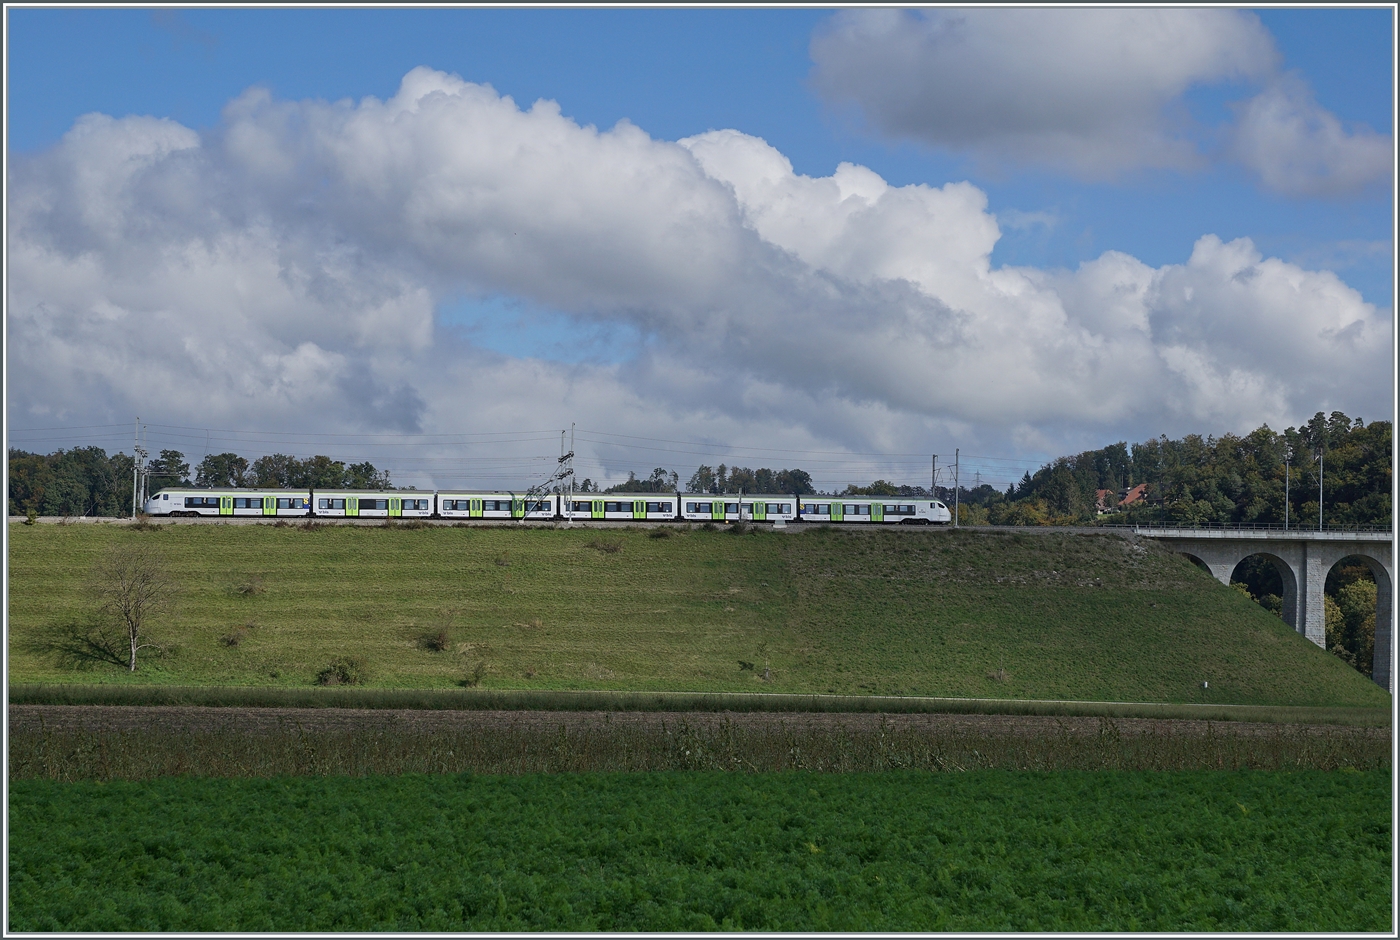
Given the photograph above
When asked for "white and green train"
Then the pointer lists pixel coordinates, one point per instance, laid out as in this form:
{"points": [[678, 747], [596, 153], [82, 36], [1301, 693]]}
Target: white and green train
{"points": [[467, 505]]}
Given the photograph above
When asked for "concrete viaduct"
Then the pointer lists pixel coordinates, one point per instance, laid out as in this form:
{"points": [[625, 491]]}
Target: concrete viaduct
{"points": [[1302, 559]]}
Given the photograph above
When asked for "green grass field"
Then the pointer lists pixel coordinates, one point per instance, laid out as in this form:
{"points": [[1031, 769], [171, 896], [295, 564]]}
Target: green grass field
{"points": [[985, 851], [1041, 615]]}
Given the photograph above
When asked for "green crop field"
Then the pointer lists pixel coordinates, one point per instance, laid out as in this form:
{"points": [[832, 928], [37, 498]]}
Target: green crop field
{"points": [[901, 851], [1036, 615]]}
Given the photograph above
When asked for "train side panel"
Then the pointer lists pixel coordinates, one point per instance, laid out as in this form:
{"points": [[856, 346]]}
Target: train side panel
{"points": [[466, 505]]}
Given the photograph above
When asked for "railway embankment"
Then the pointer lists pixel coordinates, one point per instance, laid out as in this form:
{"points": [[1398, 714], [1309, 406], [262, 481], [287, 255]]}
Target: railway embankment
{"points": [[1018, 615]]}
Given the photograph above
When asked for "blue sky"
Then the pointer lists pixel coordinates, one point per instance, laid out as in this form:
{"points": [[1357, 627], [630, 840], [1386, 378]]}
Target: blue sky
{"points": [[679, 73]]}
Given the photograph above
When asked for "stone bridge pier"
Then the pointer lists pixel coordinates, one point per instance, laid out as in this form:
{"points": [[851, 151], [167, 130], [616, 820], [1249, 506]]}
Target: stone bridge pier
{"points": [[1302, 560]]}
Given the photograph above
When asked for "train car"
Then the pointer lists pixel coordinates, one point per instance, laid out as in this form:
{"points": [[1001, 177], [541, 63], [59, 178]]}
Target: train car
{"points": [[878, 509], [177, 501], [585, 507], [756, 507], [460, 504], [373, 504]]}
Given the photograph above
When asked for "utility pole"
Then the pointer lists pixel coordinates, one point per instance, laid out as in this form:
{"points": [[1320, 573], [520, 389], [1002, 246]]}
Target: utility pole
{"points": [[957, 451], [1287, 472], [135, 463], [569, 472], [933, 481]]}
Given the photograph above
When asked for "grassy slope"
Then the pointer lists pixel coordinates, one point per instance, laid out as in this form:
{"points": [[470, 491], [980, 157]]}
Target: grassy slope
{"points": [[929, 613]]}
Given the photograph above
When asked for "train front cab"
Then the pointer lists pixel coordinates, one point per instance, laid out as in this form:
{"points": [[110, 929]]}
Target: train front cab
{"points": [[229, 502], [877, 511]]}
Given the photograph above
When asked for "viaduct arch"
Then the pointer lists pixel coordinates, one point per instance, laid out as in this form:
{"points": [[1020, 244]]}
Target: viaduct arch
{"points": [[1303, 559]]}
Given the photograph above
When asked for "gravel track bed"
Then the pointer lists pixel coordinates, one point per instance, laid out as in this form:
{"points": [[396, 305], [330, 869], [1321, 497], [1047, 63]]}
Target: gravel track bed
{"points": [[200, 719]]}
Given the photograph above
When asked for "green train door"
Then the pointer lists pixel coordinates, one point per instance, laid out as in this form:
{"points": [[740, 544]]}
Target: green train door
{"points": [[597, 512], [269, 505], [877, 512], [759, 511], [838, 512], [396, 505], [225, 505], [352, 505], [717, 510], [639, 509], [517, 509], [475, 511]]}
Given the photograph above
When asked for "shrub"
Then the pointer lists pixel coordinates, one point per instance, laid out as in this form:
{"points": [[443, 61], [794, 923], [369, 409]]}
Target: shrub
{"points": [[739, 527], [437, 642], [236, 637], [659, 534], [475, 671], [607, 548], [251, 586], [347, 670], [31, 516]]}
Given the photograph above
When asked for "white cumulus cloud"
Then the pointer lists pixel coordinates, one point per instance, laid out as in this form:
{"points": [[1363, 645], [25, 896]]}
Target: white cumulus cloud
{"points": [[1094, 92], [285, 271], [1301, 149]]}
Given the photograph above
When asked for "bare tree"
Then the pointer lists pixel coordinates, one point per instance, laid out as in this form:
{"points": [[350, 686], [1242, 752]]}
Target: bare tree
{"points": [[133, 585]]}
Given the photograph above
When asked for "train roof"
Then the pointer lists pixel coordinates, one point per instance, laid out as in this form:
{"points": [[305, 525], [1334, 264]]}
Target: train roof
{"points": [[210, 490], [714, 496]]}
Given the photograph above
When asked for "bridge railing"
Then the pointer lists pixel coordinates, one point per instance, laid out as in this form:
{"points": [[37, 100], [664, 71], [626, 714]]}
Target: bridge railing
{"points": [[1252, 527]]}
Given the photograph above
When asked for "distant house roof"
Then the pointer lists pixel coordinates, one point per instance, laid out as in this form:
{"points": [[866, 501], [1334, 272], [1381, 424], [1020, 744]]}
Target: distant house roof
{"points": [[1125, 498], [1133, 495]]}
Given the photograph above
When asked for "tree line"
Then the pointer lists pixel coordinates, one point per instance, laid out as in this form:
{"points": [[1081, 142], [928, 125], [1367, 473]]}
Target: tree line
{"points": [[1261, 478], [1258, 478], [87, 481]]}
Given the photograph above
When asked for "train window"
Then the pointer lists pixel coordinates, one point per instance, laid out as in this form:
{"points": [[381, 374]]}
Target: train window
{"points": [[337, 504], [240, 502], [284, 503], [731, 507], [774, 508], [165, 496], [785, 508], [323, 503]]}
